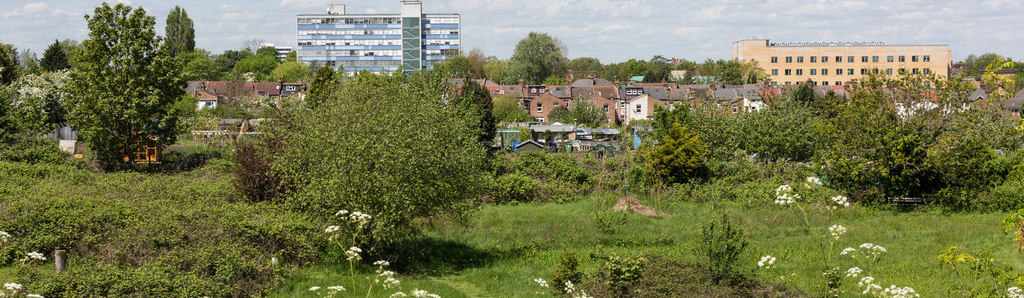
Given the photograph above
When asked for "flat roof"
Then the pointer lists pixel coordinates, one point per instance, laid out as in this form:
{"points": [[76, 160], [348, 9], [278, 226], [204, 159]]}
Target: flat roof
{"points": [[371, 15], [828, 44]]}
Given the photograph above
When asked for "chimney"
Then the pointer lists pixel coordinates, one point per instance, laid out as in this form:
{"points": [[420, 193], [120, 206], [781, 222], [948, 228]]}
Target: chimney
{"points": [[335, 8]]}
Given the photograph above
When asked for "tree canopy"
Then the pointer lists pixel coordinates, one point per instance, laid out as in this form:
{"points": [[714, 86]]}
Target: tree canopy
{"points": [[291, 72], [180, 34], [123, 85], [55, 58], [536, 57]]}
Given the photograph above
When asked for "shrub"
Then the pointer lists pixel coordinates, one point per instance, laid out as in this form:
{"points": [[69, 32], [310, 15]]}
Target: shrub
{"points": [[36, 151], [619, 273], [397, 152], [720, 245], [131, 234], [514, 188], [677, 158], [566, 272], [254, 180]]}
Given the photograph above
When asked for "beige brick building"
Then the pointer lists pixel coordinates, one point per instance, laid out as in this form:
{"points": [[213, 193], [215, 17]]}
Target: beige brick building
{"points": [[837, 63]]}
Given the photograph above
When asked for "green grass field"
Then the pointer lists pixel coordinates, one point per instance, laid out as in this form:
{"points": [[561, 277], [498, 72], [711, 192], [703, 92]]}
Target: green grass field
{"points": [[501, 249]]}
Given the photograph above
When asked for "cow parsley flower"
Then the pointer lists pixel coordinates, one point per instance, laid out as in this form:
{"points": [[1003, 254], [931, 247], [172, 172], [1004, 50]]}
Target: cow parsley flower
{"points": [[12, 286], [332, 229], [314, 288], [381, 263], [813, 180], [37, 256], [387, 274], [336, 288], [865, 281], [397, 294], [1014, 292], [841, 201], [871, 288], [391, 282], [849, 251], [784, 195], [853, 272], [898, 292], [4, 236], [836, 231], [872, 249], [766, 262], [34, 296], [273, 260], [543, 283], [353, 254], [422, 293], [341, 212]]}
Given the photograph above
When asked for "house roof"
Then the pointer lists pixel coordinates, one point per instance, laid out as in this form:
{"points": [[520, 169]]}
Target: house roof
{"points": [[1014, 103], [591, 82], [552, 127], [509, 89], [607, 92], [530, 142], [657, 92], [978, 94], [560, 91]]}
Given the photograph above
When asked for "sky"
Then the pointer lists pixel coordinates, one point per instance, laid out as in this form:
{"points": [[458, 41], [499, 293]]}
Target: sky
{"points": [[613, 31]]}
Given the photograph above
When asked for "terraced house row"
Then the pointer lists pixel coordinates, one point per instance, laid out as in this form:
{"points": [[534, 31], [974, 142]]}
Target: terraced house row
{"points": [[409, 39]]}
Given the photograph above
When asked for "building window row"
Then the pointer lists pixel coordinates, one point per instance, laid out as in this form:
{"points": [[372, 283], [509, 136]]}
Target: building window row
{"points": [[353, 42], [350, 31], [851, 59], [850, 71], [346, 20]]}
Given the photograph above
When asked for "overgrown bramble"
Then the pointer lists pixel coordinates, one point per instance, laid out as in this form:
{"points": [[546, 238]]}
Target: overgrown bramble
{"points": [[767, 262]]}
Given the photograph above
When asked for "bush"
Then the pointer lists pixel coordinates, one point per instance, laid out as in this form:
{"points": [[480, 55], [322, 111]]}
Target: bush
{"points": [[535, 176], [131, 234], [720, 246], [677, 158], [392, 150], [515, 188], [566, 272], [619, 273], [36, 151]]}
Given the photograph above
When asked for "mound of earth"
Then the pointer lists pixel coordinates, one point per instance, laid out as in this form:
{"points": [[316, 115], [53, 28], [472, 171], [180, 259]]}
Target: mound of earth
{"points": [[631, 203]]}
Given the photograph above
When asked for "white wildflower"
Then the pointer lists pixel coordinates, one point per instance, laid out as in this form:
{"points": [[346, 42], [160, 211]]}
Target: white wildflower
{"points": [[849, 251], [872, 249], [814, 180], [397, 294], [314, 288], [841, 201], [273, 260], [767, 262], [898, 292], [422, 293], [34, 296], [783, 189], [540, 281], [387, 274], [853, 272], [353, 254], [12, 286], [865, 281], [1014, 292], [37, 256], [336, 288], [836, 231], [391, 282], [4, 236], [381, 263], [871, 288], [784, 195], [332, 229], [341, 212]]}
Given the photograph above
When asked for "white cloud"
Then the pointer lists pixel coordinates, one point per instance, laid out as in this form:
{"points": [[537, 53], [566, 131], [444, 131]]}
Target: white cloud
{"points": [[28, 10]]}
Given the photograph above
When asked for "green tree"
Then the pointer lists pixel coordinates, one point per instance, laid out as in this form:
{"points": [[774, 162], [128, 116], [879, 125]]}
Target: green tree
{"points": [[495, 71], [323, 87], [123, 85], [477, 60], [229, 58], [678, 156], [508, 109], [803, 94], [7, 127], [397, 162], [267, 51], [54, 58], [292, 56], [536, 57], [975, 65], [554, 80], [584, 67], [8, 67], [181, 36], [582, 112], [456, 67], [658, 69], [260, 66], [291, 72], [478, 100], [198, 65]]}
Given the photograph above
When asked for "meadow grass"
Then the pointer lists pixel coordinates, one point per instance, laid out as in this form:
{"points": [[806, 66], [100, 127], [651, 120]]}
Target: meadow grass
{"points": [[510, 245]]}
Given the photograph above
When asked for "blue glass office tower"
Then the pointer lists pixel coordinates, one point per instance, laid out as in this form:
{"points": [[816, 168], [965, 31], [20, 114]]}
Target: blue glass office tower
{"points": [[410, 39]]}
